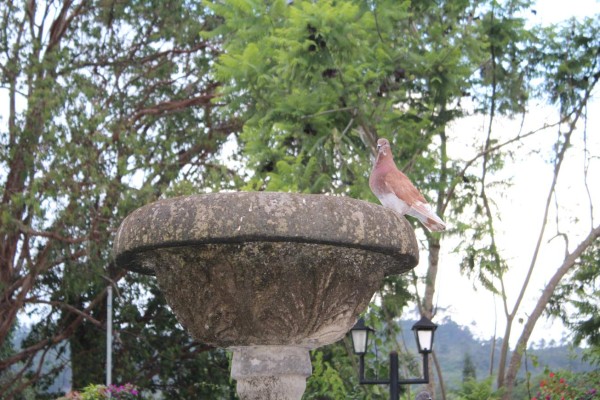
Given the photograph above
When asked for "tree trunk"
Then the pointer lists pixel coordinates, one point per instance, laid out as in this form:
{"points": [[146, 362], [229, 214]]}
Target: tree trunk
{"points": [[504, 352], [438, 368], [88, 350], [428, 309]]}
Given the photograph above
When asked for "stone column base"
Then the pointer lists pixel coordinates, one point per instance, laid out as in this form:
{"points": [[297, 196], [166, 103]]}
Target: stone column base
{"points": [[270, 372]]}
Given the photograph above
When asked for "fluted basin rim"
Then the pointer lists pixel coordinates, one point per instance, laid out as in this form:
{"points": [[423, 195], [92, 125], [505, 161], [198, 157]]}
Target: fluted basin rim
{"points": [[240, 217]]}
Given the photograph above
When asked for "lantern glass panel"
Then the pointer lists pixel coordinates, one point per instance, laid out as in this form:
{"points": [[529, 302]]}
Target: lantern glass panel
{"points": [[424, 340], [360, 338]]}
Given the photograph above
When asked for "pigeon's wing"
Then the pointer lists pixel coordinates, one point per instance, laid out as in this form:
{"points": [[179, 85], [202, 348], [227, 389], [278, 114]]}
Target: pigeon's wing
{"points": [[401, 186]]}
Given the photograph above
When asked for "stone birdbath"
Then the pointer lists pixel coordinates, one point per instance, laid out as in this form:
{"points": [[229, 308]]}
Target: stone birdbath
{"points": [[269, 276]]}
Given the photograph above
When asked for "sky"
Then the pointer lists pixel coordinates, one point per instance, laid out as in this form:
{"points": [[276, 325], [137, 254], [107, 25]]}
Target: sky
{"points": [[521, 213], [521, 207], [555, 11]]}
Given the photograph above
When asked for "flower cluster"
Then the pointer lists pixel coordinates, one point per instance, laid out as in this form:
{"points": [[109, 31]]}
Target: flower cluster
{"points": [[556, 387], [124, 392], [127, 391]]}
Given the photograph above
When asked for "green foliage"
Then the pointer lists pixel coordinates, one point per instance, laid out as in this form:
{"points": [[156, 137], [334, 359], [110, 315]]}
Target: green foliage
{"points": [[317, 82], [477, 390], [329, 384], [507, 69], [568, 80], [577, 301], [482, 259], [94, 392], [180, 371], [592, 355]]}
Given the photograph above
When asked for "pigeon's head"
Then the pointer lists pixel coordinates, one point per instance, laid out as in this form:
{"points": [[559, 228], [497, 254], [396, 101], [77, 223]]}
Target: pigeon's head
{"points": [[383, 146]]}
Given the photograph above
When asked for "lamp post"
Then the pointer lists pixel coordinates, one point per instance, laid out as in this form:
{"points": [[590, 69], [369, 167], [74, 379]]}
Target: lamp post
{"points": [[423, 329]]}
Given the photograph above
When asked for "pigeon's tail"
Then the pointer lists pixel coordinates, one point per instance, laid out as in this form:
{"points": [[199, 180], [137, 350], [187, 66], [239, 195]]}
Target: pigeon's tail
{"points": [[427, 216], [434, 225]]}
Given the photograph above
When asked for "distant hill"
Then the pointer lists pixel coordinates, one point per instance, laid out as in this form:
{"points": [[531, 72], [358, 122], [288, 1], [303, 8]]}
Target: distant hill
{"points": [[453, 342]]}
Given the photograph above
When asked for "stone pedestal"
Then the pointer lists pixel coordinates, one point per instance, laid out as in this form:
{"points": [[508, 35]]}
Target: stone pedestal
{"points": [[270, 372], [269, 275]]}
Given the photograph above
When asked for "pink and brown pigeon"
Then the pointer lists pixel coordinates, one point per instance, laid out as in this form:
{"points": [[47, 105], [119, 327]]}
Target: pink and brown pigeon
{"points": [[394, 190]]}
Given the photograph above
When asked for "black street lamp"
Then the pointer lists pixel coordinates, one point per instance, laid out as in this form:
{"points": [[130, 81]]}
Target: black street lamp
{"points": [[424, 330]]}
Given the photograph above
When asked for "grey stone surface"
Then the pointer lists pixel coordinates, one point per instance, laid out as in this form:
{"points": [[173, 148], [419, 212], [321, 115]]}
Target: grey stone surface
{"points": [[243, 217], [277, 293], [269, 275], [245, 269], [270, 372]]}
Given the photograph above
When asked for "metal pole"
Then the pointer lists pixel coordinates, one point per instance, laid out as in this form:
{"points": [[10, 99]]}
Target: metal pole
{"points": [[426, 367], [109, 332], [394, 379], [361, 368]]}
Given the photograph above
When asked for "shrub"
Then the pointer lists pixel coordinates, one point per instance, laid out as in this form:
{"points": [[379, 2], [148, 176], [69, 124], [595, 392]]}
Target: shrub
{"points": [[564, 385]]}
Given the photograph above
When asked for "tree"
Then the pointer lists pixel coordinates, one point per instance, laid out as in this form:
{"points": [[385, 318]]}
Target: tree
{"points": [[576, 302], [469, 371], [108, 108], [568, 84], [317, 83]]}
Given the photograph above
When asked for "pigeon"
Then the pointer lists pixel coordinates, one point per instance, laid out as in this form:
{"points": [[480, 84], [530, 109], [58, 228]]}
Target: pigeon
{"points": [[394, 190]]}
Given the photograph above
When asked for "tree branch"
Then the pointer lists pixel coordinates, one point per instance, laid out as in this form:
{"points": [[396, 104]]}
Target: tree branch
{"points": [[568, 263], [171, 106], [64, 334], [459, 177], [66, 306]]}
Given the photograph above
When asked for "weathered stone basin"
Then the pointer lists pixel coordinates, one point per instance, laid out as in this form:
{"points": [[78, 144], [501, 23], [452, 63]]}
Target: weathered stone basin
{"points": [[250, 270]]}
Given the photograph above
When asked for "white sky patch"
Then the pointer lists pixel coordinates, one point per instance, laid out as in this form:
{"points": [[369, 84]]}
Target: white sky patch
{"points": [[521, 208], [554, 11]]}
